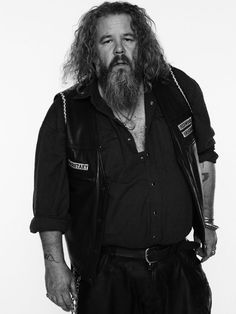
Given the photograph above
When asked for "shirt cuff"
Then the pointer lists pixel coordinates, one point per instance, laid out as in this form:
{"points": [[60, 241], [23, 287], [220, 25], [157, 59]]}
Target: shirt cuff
{"points": [[39, 224], [208, 155]]}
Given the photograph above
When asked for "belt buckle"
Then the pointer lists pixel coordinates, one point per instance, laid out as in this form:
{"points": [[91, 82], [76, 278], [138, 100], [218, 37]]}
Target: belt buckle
{"points": [[146, 257]]}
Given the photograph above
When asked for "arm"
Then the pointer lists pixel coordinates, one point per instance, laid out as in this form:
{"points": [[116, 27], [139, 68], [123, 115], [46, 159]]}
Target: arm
{"points": [[207, 170], [205, 153], [51, 203], [59, 280], [52, 248]]}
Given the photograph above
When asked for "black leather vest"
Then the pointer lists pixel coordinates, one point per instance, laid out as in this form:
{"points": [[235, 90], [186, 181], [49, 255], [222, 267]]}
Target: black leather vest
{"points": [[88, 190]]}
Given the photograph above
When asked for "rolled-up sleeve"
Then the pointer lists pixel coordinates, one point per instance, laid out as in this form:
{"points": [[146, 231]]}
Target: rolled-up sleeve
{"points": [[51, 192], [203, 131]]}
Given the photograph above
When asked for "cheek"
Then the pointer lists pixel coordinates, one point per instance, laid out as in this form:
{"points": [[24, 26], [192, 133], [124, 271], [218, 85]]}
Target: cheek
{"points": [[103, 59], [135, 52]]}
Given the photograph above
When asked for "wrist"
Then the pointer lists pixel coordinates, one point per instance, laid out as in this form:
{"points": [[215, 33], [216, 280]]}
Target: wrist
{"points": [[54, 266], [52, 260], [209, 223]]}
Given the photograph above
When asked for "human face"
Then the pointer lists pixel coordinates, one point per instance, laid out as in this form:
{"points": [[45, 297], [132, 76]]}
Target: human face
{"points": [[115, 42]]}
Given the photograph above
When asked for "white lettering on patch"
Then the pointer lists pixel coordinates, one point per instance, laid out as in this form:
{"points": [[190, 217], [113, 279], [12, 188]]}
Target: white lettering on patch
{"points": [[77, 165], [185, 123], [188, 131]]}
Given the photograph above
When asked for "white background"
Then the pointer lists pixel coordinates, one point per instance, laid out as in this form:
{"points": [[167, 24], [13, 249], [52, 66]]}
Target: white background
{"points": [[197, 36]]}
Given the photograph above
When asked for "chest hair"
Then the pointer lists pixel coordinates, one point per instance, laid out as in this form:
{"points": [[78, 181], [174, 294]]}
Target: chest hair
{"points": [[139, 133]]}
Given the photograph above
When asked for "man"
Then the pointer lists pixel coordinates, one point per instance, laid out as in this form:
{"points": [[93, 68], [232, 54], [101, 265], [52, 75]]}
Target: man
{"points": [[117, 170]]}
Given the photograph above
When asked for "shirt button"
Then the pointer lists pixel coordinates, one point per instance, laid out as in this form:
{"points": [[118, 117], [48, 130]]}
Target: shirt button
{"points": [[129, 139], [153, 183], [154, 236], [155, 212], [147, 154], [141, 157], [151, 102]]}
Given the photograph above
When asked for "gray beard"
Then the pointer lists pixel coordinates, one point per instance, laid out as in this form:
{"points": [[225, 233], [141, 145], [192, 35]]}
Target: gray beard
{"points": [[120, 89]]}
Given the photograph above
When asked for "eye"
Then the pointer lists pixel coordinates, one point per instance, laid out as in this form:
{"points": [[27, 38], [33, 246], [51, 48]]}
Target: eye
{"points": [[106, 41]]}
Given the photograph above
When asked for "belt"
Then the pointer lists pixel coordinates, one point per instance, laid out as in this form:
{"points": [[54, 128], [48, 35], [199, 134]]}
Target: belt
{"points": [[152, 254]]}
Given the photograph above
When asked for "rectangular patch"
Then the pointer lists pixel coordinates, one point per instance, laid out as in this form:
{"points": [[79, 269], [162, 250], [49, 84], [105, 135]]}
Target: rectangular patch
{"points": [[185, 123], [77, 165], [188, 131]]}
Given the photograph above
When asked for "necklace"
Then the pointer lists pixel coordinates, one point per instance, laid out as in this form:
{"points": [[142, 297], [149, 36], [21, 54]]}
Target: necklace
{"points": [[128, 123]]}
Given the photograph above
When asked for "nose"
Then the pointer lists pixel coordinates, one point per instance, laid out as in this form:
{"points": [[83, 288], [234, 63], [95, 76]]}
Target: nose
{"points": [[119, 49]]}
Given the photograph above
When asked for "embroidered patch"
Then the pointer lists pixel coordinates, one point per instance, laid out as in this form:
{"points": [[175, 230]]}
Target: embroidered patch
{"points": [[188, 131], [185, 123], [77, 165]]}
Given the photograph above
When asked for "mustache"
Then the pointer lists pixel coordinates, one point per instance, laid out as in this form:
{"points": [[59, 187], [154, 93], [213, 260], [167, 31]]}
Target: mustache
{"points": [[119, 59]]}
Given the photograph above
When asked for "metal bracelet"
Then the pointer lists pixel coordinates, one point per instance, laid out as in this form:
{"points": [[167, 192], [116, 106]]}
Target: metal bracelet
{"points": [[209, 220], [211, 226]]}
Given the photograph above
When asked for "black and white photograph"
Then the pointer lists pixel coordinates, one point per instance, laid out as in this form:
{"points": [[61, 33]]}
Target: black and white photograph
{"points": [[118, 168]]}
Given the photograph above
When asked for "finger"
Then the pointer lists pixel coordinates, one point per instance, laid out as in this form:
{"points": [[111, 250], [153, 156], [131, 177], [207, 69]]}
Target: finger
{"points": [[200, 252], [62, 304], [51, 298], [205, 258], [73, 289], [68, 301], [210, 251]]}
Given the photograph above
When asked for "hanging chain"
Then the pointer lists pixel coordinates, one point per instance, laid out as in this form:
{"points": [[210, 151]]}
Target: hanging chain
{"points": [[180, 89], [64, 106]]}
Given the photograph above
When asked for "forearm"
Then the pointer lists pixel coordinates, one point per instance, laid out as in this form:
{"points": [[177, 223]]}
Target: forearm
{"points": [[208, 184], [52, 248]]}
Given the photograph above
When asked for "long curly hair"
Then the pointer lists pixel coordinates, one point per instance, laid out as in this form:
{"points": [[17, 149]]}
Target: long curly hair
{"points": [[80, 62]]}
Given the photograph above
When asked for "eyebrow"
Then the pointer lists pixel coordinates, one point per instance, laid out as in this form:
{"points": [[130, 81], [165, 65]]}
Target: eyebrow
{"points": [[109, 36]]}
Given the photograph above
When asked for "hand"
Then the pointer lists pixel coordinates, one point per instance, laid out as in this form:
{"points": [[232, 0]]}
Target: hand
{"points": [[210, 245], [60, 285]]}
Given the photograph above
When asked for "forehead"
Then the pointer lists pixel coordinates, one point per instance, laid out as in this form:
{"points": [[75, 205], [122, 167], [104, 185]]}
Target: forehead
{"points": [[113, 24]]}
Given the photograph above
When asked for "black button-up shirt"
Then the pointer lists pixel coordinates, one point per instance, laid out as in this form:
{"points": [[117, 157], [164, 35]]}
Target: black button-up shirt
{"points": [[149, 199]]}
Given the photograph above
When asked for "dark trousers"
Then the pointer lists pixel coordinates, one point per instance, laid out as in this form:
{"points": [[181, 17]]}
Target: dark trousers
{"points": [[175, 285]]}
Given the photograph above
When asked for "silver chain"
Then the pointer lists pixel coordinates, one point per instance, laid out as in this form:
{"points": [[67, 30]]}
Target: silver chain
{"points": [[180, 89], [64, 106]]}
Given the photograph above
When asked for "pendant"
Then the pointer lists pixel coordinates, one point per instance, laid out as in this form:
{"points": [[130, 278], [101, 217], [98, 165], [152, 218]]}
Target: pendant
{"points": [[130, 125]]}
